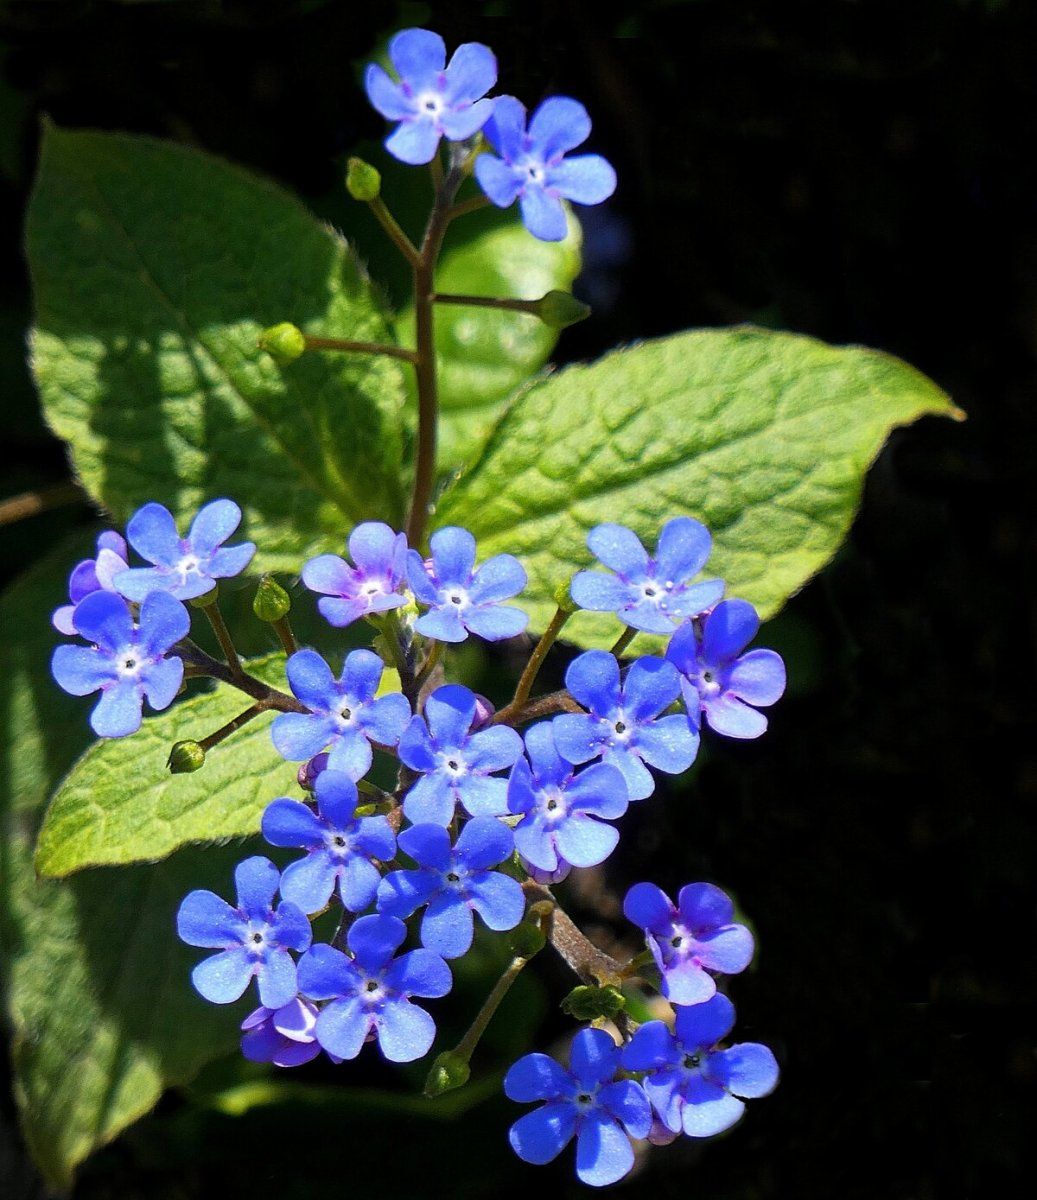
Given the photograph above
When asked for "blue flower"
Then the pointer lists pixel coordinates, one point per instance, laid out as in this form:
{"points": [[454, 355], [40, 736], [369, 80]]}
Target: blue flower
{"points": [[373, 585], [532, 165], [431, 100], [691, 938], [717, 679], [586, 1101], [92, 575], [462, 600], [344, 714], [127, 662], [282, 1036], [456, 765], [253, 938], [563, 814], [184, 567], [623, 725], [454, 882], [652, 594], [341, 846], [370, 992], [693, 1085]]}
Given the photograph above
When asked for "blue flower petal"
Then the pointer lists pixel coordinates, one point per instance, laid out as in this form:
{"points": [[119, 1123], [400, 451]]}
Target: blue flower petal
{"points": [[358, 883], [223, 978], [256, 881], [493, 749], [163, 622], [309, 881], [548, 765], [447, 926], [732, 718], [442, 624], [386, 719], [214, 523], [428, 845], [483, 842], [757, 677], [537, 1077], [648, 906], [152, 532], [325, 973], [337, 798], [598, 592], [277, 978], [80, 670], [603, 1151], [585, 179], [161, 682], [297, 736], [599, 789], [431, 800], [652, 684], [329, 574], [728, 629], [418, 56], [498, 899], [386, 97], [104, 619], [342, 1027], [748, 1069], [638, 778], [593, 1057], [453, 554], [117, 713], [593, 680], [506, 129], [230, 561], [495, 623], [652, 1047], [585, 842], [701, 1026], [729, 950], [311, 680], [405, 1031], [620, 550], [708, 1109], [374, 940], [351, 753], [626, 1102], [459, 124], [419, 973], [577, 736], [559, 125], [449, 712], [542, 214], [684, 546], [471, 72], [499, 578], [481, 796], [205, 919], [541, 1135], [500, 182], [669, 744], [401, 893]]}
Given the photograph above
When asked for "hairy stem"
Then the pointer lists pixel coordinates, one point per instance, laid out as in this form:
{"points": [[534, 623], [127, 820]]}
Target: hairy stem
{"points": [[579, 952], [532, 668], [285, 636], [326, 343], [542, 706], [200, 663], [232, 726], [395, 231]]}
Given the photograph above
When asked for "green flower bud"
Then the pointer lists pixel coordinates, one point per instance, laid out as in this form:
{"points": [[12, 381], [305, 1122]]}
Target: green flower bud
{"points": [[363, 182], [449, 1071], [271, 601], [588, 1003], [185, 757], [559, 309], [527, 939], [284, 343]]}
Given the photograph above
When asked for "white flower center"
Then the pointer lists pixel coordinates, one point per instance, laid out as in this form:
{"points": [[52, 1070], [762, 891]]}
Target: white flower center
{"points": [[456, 598], [346, 713], [188, 565], [452, 763], [622, 729], [553, 804], [257, 938], [336, 842], [128, 662], [430, 104], [372, 990]]}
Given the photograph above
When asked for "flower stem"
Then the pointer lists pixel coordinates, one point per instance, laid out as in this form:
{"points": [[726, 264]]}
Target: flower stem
{"points": [[578, 951], [219, 627], [624, 640], [526, 306], [324, 343], [232, 726], [285, 636], [466, 1046], [473, 204], [199, 663], [542, 706], [28, 504], [395, 231], [532, 668]]}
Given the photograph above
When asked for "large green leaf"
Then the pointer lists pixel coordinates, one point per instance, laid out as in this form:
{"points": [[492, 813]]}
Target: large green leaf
{"points": [[95, 984], [155, 269], [766, 437], [119, 804], [485, 354]]}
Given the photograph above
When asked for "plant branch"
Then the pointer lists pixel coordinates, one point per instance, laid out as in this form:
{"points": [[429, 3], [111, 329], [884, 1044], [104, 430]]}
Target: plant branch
{"points": [[624, 640], [232, 726], [524, 306], [219, 627], [579, 952], [326, 343], [532, 668], [201, 663], [28, 504], [395, 231], [542, 706]]}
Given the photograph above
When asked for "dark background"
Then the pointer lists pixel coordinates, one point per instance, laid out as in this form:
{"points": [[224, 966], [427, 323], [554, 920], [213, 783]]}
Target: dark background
{"points": [[862, 171]]}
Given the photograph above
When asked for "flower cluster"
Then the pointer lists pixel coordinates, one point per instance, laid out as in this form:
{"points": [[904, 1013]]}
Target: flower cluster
{"points": [[481, 816], [432, 99]]}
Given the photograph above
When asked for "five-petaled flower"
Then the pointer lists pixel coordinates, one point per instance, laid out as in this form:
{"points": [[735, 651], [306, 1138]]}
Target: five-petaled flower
{"points": [[253, 939], [460, 598], [432, 99], [456, 765], [623, 724], [92, 575], [690, 939], [532, 166], [373, 585], [344, 715], [282, 1036], [586, 1101], [126, 662], [694, 1085], [341, 847], [649, 593], [454, 882], [370, 992], [185, 567], [563, 812], [720, 682]]}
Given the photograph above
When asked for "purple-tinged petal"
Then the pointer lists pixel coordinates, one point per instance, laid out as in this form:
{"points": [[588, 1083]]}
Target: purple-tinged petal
{"points": [[620, 549], [728, 951], [163, 622], [652, 684], [418, 56], [405, 1031], [558, 125], [419, 973], [732, 718], [648, 906], [708, 1109], [701, 1026], [386, 97], [506, 129], [599, 789], [152, 532], [543, 215], [585, 179], [204, 919], [684, 982], [748, 1069], [443, 625], [117, 713], [669, 744], [493, 749], [297, 736], [593, 1057], [593, 680], [500, 182], [498, 899], [757, 677], [577, 736], [664, 1089], [446, 927], [704, 907], [453, 553], [386, 718], [598, 592], [329, 574], [603, 1151], [459, 124], [215, 522], [223, 978], [414, 142], [342, 1027], [401, 893], [536, 1077], [374, 940], [499, 578], [730, 627], [230, 561], [104, 619], [541, 1135], [684, 546], [449, 712], [495, 623], [470, 74], [62, 622], [636, 775]]}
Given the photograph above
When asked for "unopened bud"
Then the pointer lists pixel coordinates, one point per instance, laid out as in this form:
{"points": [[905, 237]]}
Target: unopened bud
{"points": [[271, 601], [589, 1003], [527, 939], [308, 772], [484, 712], [449, 1071], [546, 878], [284, 343], [185, 757], [363, 182], [561, 309]]}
